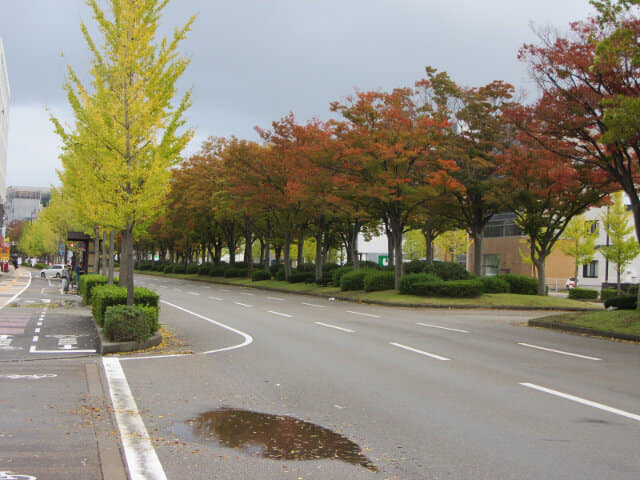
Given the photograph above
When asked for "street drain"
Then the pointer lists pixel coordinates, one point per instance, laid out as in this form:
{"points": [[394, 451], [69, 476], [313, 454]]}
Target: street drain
{"points": [[277, 437]]}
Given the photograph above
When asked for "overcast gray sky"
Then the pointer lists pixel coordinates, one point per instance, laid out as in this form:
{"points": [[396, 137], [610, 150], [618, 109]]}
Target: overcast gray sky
{"points": [[253, 61]]}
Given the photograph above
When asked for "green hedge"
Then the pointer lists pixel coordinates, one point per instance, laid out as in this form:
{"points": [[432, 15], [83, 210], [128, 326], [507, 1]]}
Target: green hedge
{"points": [[623, 302], [108, 295], [494, 285], [379, 280], [337, 273], [408, 281], [520, 284], [583, 294], [124, 323], [259, 275], [87, 283], [451, 289], [354, 280], [298, 276], [607, 293], [236, 272]]}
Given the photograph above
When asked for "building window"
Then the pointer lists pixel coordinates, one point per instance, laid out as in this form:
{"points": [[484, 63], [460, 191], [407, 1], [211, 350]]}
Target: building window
{"points": [[593, 226], [491, 264], [590, 270]]}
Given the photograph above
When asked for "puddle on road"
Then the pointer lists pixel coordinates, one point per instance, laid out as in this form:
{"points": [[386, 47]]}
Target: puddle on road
{"points": [[271, 436]]}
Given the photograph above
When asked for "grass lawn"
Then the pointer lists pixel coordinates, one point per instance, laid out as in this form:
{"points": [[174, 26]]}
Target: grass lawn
{"points": [[494, 300], [615, 321]]}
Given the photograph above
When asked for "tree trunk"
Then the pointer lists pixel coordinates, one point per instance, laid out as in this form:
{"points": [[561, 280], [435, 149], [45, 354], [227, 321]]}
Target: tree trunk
{"points": [[319, 256], [428, 240], [110, 265], [96, 250], [619, 289], [300, 259], [103, 261], [286, 251], [478, 238], [542, 275], [126, 262], [248, 249], [390, 248]]}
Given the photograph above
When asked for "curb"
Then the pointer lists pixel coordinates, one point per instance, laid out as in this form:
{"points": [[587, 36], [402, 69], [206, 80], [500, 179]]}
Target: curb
{"points": [[589, 331], [106, 347]]}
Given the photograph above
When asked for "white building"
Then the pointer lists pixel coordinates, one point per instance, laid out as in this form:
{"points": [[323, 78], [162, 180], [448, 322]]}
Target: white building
{"points": [[4, 123], [600, 270], [24, 203]]}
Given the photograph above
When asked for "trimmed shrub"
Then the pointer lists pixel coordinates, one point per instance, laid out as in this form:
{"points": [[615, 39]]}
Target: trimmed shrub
{"points": [[583, 294], [447, 270], [87, 283], [299, 277], [123, 323], [105, 296], [168, 269], [280, 276], [369, 265], [236, 272], [520, 284], [354, 280], [494, 285], [407, 281], [217, 270], [377, 281], [259, 275], [607, 293], [459, 289], [192, 268], [40, 266], [337, 273], [425, 288], [623, 302], [179, 268], [415, 266], [306, 267]]}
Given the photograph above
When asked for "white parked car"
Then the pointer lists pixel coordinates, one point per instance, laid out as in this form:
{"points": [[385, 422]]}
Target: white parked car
{"points": [[52, 271]]}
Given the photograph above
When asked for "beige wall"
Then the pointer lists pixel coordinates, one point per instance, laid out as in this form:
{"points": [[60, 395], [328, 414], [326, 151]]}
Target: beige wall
{"points": [[559, 267]]}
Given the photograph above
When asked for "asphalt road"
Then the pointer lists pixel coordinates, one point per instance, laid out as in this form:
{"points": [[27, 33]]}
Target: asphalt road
{"points": [[423, 394], [263, 385]]}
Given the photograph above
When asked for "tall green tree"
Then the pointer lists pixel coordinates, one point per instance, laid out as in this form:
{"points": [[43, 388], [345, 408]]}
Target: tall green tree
{"points": [[127, 132], [580, 241], [623, 247]]}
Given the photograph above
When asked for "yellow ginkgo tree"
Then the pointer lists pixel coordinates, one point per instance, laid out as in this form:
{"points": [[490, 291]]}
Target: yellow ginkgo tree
{"points": [[127, 131]]}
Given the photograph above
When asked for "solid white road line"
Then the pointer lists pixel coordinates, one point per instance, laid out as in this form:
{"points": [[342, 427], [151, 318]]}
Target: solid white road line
{"points": [[442, 328], [415, 350], [586, 357], [337, 328], [247, 338], [280, 314], [363, 314], [142, 460], [583, 401]]}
